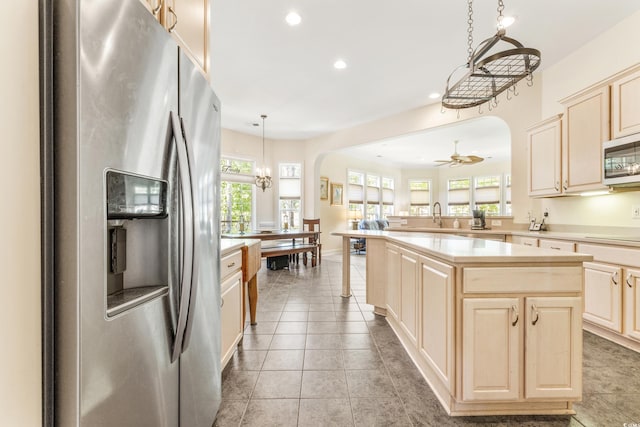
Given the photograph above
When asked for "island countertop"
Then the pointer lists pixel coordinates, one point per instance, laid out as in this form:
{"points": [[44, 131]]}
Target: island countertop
{"points": [[458, 249]]}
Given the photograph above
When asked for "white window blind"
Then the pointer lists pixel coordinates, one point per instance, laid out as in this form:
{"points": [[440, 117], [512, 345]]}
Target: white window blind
{"points": [[373, 195], [356, 193], [289, 188], [387, 196], [488, 195]]}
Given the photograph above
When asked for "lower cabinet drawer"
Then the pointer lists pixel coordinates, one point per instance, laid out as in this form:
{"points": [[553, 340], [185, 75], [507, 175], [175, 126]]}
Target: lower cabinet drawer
{"points": [[230, 263], [557, 245], [521, 279]]}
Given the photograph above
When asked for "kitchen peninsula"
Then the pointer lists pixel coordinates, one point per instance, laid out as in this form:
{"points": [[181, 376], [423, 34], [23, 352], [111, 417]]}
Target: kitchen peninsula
{"points": [[494, 328]]}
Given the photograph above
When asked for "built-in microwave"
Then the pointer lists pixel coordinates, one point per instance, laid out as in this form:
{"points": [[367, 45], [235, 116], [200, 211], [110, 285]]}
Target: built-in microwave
{"points": [[621, 161]]}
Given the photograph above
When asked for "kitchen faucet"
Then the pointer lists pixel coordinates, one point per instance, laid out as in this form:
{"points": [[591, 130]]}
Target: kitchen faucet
{"points": [[437, 212]]}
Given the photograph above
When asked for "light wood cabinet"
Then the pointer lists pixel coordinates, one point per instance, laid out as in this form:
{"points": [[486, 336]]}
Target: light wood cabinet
{"points": [[603, 295], [526, 241], [393, 280], [231, 322], [493, 331], [544, 143], [491, 339], [188, 22], [632, 303], [625, 105], [557, 245], [436, 309], [585, 127], [409, 294], [553, 343]]}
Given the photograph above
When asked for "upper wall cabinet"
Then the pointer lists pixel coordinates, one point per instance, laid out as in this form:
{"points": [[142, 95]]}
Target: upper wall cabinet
{"points": [[625, 108], [586, 126], [188, 22], [544, 148]]}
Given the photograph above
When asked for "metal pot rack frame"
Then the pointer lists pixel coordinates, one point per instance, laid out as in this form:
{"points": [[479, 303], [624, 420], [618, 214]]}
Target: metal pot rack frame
{"points": [[489, 77]]}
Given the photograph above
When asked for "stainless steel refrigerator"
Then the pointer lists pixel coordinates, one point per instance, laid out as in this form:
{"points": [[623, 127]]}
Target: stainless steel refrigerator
{"points": [[131, 158]]}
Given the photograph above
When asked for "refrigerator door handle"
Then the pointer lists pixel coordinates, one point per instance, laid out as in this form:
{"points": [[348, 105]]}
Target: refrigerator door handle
{"points": [[196, 254], [188, 223]]}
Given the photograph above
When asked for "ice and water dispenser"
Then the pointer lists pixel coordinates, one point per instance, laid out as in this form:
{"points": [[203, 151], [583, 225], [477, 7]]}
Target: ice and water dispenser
{"points": [[137, 240]]}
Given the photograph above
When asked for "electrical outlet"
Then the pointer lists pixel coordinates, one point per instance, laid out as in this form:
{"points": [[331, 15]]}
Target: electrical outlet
{"points": [[635, 212], [496, 223]]}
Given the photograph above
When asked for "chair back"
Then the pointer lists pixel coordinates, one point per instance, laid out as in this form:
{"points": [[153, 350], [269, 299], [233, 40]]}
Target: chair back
{"points": [[312, 225]]}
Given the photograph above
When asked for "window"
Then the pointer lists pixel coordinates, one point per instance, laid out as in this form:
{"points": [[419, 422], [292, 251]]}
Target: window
{"points": [[373, 200], [236, 195], [290, 195], [459, 195], [373, 197], [387, 197], [487, 194], [419, 197], [355, 194]]}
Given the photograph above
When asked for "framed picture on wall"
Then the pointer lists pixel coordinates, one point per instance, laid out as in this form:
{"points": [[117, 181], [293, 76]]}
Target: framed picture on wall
{"points": [[324, 188], [336, 194]]}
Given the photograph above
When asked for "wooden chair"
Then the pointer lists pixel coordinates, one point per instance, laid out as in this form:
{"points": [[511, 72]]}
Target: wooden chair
{"points": [[313, 225]]}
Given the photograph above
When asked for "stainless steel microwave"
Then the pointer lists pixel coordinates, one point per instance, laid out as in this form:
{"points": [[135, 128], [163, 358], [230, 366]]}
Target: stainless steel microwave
{"points": [[621, 160]]}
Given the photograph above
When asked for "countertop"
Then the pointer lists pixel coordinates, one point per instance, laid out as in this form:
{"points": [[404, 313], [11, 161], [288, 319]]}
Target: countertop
{"points": [[458, 249], [229, 245], [585, 237]]}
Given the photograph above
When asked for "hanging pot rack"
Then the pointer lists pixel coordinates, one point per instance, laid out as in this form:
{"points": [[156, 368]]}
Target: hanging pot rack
{"points": [[488, 76]]}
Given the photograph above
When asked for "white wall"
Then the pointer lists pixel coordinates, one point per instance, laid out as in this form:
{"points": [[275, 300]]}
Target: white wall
{"points": [[20, 357]]}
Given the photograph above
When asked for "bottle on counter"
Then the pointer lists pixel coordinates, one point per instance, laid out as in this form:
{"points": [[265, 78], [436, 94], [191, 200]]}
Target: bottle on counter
{"points": [[456, 223]]}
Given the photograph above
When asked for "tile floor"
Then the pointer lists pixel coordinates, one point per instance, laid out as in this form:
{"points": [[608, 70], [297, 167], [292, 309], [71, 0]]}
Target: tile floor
{"points": [[316, 359]]}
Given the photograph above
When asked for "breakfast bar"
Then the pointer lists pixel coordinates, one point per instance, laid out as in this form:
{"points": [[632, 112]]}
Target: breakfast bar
{"points": [[494, 328]]}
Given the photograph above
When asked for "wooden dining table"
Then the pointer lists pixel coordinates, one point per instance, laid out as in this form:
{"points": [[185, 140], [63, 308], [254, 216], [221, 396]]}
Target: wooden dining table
{"points": [[296, 246]]}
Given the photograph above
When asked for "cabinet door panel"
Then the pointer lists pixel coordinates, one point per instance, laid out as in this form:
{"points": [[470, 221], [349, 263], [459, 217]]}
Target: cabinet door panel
{"points": [[436, 324], [586, 127], [491, 342], [544, 144], [603, 295], [625, 109], [393, 281], [188, 21], [409, 295], [632, 303], [231, 315], [553, 358]]}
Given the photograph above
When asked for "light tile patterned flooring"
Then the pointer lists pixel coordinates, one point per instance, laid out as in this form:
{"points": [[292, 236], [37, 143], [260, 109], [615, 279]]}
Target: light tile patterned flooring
{"points": [[316, 359]]}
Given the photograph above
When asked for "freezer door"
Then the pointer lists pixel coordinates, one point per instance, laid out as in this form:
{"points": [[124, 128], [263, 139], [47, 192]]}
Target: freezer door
{"points": [[115, 85], [200, 370]]}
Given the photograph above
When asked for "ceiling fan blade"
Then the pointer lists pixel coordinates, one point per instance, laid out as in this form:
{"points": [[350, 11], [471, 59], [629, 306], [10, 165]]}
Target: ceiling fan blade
{"points": [[442, 161]]}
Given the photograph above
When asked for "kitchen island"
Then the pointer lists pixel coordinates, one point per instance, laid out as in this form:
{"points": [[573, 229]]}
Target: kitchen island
{"points": [[494, 328]]}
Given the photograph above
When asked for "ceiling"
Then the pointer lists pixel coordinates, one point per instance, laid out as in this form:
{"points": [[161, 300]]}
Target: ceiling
{"points": [[397, 52]]}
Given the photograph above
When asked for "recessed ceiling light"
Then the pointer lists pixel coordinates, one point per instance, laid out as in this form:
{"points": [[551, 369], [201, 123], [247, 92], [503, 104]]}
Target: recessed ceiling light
{"points": [[434, 95], [293, 18], [340, 64]]}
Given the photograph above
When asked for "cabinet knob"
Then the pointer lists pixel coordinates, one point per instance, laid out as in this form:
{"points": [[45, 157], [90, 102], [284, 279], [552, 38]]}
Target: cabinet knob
{"points": [[231, 265], [557, 185], [565, 186], [221, 302]]}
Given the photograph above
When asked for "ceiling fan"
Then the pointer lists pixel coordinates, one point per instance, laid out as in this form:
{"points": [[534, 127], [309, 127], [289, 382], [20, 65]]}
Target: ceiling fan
{"points": [[459, 160]]}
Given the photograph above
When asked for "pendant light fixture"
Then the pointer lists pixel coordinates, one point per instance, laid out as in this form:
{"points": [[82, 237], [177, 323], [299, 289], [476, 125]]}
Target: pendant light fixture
{"points": [[263, 179], [488, 76]]}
